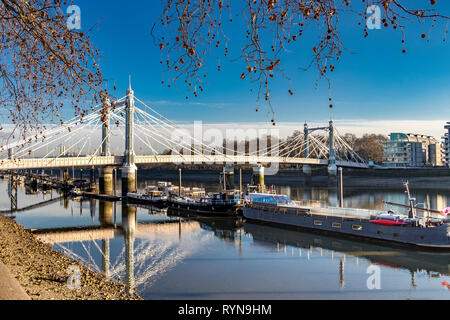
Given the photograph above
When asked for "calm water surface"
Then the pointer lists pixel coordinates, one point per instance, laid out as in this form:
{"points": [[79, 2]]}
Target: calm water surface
{"points": [[163, 257]]}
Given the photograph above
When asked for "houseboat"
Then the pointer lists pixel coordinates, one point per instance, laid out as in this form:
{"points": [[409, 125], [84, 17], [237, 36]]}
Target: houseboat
{"points": [[226, 203], [379, 225], [153, 195]]}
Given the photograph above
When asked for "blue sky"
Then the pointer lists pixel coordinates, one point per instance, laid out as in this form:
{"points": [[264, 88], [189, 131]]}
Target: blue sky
{"points": [[376, 82]]}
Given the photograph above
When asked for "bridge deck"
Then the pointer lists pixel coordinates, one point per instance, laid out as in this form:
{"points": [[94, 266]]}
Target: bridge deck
{"points": [[80, 162]]}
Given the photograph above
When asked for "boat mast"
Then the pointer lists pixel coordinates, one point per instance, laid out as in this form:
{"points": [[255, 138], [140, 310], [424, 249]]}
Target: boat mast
{"points": [[412, 210]]}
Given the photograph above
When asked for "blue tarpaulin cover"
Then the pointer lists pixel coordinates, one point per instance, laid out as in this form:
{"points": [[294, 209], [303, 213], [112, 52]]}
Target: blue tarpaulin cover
{"points": [[270, 199]]}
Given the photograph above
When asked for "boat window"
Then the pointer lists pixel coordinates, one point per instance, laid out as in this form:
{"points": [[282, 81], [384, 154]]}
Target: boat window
{"points": [[337, 225], [396, 235], [317, 222], [357, 227], [380, 233]]}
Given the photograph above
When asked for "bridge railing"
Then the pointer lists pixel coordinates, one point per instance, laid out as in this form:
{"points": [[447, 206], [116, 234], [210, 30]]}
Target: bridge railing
{"points": [[18, 164], [66, 162]]}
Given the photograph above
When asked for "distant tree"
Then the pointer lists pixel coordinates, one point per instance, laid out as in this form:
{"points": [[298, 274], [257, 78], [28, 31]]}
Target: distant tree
{"points": [[188, 32], [370, 147], [43, 65], [351, 139]]}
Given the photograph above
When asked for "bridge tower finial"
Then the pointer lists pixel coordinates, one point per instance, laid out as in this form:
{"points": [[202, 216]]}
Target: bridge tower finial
{"points": [[130, 90]]}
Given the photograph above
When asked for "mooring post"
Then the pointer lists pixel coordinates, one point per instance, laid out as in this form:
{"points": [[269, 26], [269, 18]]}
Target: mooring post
{"points": [[12, 190], [341, 187], [240, 181], [179, 182], [341, 274], [115, 181]]}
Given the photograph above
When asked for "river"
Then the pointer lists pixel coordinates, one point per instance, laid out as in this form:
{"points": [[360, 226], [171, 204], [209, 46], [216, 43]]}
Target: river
{"points": [[163, 257]]}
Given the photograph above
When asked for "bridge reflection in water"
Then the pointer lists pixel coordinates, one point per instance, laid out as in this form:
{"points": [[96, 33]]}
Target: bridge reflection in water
{"points": [[155, 253], [141, 263]]}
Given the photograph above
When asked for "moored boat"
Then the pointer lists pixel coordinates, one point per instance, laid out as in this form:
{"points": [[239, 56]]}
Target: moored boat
{"points": [[225, 203], [153, 195], [379, 225]]}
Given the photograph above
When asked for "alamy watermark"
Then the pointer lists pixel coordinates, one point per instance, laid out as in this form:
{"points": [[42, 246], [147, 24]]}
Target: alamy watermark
{"points": [[239, 146], [74, 20], [373, 17], [374, 280], [74, 280]]}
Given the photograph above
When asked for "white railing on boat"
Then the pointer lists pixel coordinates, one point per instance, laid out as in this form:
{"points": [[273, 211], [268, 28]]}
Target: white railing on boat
{"points": [[341, 212]]}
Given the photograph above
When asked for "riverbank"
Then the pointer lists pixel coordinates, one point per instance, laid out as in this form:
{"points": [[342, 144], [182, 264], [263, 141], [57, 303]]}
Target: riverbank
{"points": [[43, 273]]}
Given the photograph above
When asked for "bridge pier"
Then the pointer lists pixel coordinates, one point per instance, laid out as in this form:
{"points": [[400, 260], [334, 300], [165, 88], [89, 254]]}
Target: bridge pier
{"points": [[129, 181], [64, 174], [307, 170], [105, 181]]}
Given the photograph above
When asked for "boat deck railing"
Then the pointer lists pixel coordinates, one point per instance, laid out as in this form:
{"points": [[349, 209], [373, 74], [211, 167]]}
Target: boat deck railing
{"points": [[340, 212], [311, 203]]}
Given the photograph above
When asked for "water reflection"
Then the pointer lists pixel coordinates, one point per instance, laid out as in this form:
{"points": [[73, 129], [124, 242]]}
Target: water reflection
{"points": [[165, 256], [412, 260]]}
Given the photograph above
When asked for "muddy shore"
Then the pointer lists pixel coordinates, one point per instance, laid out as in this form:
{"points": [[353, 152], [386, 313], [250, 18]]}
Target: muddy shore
{"points": [[43, 273]]}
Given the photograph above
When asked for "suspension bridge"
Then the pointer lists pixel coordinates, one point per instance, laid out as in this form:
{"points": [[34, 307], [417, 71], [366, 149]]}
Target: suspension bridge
{"points": [[78, 144]]}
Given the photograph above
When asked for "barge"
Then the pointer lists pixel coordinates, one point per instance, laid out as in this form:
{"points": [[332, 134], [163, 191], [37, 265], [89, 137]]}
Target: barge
{"points": [[385, 226], [221, 204], [159, 195]]}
